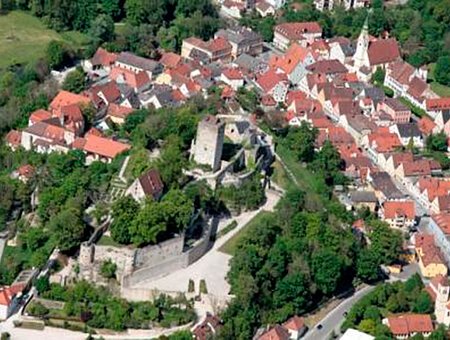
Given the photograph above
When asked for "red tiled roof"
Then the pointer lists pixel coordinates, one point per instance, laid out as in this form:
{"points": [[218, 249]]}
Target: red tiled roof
{"points": [[151, 183], [328, 67], [426, 125], [296, 30], [270, 79], [26, 170], [268, 100], [103, 57], [437, 104], [443, 222], [294, 95], [14, 137], [295, 323], [116, 110], [232, 73], [435, 187], [104, 147], [393, 209], [227, 92], [288, 62], [132, 79], [383, 51], [277, 332], [39, 115], [384, 141], [170, 59], [5, 297], [65, 98], [417, 87], [410, 323]]}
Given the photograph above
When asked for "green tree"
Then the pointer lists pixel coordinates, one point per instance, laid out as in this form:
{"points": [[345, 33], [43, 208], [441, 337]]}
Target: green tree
{"points": [[124, 211], [378, 76], [442, 70], [437, 142], [367, 266], [149, 223], [75, 81], [108, 269], [38, 309], [171, 162], [423, 304], [102, 28], [367, 326], [301, 140], [68, 229], [56, 54], [386, 242], [327, 270], [42, 284]]}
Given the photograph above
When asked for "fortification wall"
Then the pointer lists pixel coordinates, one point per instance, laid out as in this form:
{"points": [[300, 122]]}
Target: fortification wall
{"points": [[154, 254]]}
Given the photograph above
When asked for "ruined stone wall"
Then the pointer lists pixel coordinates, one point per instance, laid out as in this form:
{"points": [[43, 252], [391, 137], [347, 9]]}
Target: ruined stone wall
{"points": [[154, 254]]}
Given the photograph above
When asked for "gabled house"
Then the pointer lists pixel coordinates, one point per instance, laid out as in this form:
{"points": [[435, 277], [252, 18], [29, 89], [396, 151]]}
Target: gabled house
{"points": [[101, 60], [302, 33], [293, 63], [398, 214], [47, 136], [139, 81], [242, 40], [435, 106], [408, 325], [274, 84], [232, 77], [99, 148], [136, 64], [206, 52], [148, 185], [442, 121], [429, 256], [13, 139], [399, 112], [408, 133]]}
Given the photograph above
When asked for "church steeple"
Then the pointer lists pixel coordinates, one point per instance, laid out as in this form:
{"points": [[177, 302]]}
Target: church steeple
{"points": [[361, 57]]}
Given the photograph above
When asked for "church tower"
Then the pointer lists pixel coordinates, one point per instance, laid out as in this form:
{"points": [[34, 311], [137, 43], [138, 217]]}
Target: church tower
{"points": [[361, 57], [440, 307]]}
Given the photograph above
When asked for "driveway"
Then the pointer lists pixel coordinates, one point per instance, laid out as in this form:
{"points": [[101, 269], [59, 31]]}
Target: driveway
{"points": [[332, 322]]}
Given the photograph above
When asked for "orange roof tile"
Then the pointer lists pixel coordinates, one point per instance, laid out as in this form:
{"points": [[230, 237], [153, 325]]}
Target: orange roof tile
{"points": [[65, 98], [289, 61], [296, 30], [170, 59], [437, 104], [410, 323], [132, 79], [39, 115], [393, 209], [14, 137], [104, 147]]}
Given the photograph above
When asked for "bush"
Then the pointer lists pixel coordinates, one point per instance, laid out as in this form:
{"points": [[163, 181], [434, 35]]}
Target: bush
{"points": [[108, 269], [191, 286], [38, 309], [203, 289]]}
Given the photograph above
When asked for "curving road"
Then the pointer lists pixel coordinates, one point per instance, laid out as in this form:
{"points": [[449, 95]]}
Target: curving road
{"points": [[334, 319]]}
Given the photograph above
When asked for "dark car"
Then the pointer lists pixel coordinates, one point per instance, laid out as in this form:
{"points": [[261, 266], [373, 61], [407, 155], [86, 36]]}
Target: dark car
{"points": [[319, 326]]}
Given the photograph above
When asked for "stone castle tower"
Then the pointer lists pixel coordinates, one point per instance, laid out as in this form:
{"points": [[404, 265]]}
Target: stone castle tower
{"points": [[208, 145], [361, 57]]}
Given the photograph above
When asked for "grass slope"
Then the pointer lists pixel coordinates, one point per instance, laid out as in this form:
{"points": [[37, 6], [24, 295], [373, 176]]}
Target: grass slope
{"points": [[24, 38], [229, 247]]}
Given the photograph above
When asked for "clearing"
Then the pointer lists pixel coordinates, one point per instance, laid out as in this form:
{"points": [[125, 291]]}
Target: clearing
{"points": [[24, 38]]}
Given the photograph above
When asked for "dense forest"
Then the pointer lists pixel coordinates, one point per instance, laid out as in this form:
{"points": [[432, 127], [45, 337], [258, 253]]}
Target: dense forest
{"points": [[303, 253]]}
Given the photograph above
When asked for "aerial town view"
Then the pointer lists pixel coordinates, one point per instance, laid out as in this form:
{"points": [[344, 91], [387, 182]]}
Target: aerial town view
{"points": [[224, 169]]}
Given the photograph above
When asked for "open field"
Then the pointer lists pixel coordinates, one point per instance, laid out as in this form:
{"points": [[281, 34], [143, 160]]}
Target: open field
{"points": [[24, 38]]}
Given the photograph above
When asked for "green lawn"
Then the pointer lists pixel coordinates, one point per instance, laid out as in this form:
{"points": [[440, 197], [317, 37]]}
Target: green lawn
{"points": [[441, 90], [108, 241], [230, 246], [24, 38]]}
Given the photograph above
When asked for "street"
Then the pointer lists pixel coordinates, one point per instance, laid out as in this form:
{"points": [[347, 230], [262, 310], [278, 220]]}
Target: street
{"points": [[332, 322]]}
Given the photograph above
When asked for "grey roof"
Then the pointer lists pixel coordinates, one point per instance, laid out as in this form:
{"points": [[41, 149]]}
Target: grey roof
{"points": [[445, 116], [246, 61], [408, 130], [242, 126], [395, 104], [382, 181], [239, 35], [363, 197], [348, 49], [139, 62], [198, 55], [375, 93]]}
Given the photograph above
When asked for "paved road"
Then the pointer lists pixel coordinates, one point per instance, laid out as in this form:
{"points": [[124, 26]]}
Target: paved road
{"points": [[2, 247], [334, 319]]}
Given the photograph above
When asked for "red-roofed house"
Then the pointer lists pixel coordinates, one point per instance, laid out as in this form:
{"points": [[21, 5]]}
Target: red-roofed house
{"points": [[295, 326], [210, 51], [275, 84], [430, 258], [138, 81], [293, 62], [426, 126], [65, 98], [399, 214], [38, 116], [380, 142], [147, 185], [399, 112], [47, 136], [99, 148], [302, 33], [207, 328], [276, 332], [232, 77], [408, 325], [437, 105], [102, 59], [118, 113], [440, 227], [13, 139], [170, 60], [24, 173]]}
